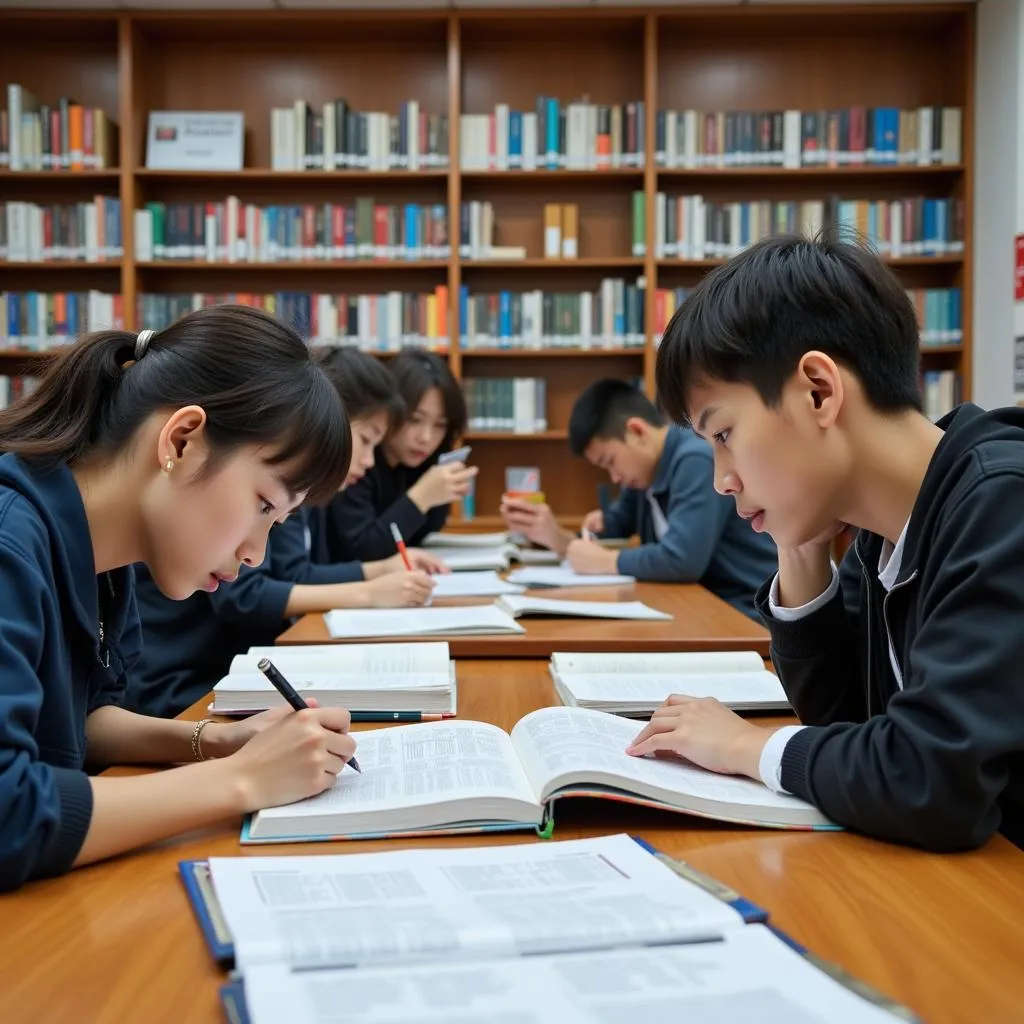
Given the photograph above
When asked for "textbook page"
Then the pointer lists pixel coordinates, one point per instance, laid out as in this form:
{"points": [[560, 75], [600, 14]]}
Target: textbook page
{"points": [[485, 583], [476, 620], [750, 976], [312, 682], [351, 660], [469, 764], [660, 662], [564, 576], [611, 689], [576, 746], [460, 559], [466, 902], [465, 540], [523, 604]]}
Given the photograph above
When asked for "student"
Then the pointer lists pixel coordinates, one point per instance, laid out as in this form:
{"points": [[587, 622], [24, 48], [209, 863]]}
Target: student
{"points": [[179, 449], [799, 359], [406, 485], [688, 533], [188, 645]]}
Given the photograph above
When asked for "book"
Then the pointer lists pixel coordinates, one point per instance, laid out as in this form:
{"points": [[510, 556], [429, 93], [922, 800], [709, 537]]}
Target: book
{"points": [[403, 677], [452, 777], [634, 685], [486, 583], [465, 540], [461, 558], [473, 620], [517, 605], [564, 576], [593, 930]]}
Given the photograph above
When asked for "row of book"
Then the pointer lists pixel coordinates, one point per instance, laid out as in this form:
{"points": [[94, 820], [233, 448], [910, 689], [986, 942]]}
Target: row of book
{"points": [[233, 231], [334, 137], [692, 228], [89, 232], [41, 320], [941, 392], [62, 136], [577, 136], [515, 405], [477, 230], [385, 322], [849, 137], [611, 316], [13, 388]]}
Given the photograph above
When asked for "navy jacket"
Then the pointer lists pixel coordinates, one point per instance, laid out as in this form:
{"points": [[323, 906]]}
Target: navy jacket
{"points": [[54, 668], [938, 761], [189, 644], [362, 514], [706, 541]]}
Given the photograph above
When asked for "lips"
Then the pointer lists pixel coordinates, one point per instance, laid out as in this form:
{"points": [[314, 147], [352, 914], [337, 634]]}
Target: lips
{"points": [[755, 517], [215, 579]]}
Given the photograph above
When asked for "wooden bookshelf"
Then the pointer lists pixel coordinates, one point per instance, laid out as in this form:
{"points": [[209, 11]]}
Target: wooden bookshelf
{"points": [[705, 58]]}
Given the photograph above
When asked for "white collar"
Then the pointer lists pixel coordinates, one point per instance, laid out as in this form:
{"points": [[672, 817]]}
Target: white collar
{"points": [[890, 559]]}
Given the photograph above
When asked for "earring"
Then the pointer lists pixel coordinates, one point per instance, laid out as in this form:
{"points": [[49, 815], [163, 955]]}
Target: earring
{"points": [[168, 465]]}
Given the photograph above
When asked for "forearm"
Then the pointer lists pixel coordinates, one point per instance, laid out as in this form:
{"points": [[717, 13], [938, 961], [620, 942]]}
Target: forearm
{"points": [[561, 540], [803, 575], [131, 812], [117, 736], [308, 600], [381, 567]]}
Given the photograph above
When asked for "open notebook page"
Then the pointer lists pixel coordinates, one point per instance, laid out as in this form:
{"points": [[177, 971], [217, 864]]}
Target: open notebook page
{"points": [[564, 576], [525, 604], [554, 742], [658, 662], [352, 659], [473, 620], [465, 540], [651, 689], [437, 904], [485, 583], [750, 976]]}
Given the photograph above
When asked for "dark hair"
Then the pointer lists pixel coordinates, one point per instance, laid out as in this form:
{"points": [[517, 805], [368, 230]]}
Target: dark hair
{"points": [[254, 377], [603, 411], [363, 383], [416, 371], [752, 320]]}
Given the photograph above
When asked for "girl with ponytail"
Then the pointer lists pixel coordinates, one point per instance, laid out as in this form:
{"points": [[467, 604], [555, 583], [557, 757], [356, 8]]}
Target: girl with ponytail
{"points": [[180, 450]]}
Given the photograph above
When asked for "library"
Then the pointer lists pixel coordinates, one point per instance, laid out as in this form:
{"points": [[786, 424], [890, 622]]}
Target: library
{"points": [[530, 191]]}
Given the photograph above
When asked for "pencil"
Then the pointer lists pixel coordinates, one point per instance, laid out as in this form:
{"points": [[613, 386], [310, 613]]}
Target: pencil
{"points": [[400, 544]]}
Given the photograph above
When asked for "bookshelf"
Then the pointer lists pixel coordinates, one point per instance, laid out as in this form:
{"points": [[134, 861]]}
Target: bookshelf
{"points": [[743, 58]]}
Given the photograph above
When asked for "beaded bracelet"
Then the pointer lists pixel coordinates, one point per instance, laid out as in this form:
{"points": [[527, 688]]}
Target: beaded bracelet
{"points": [[197, 753]]}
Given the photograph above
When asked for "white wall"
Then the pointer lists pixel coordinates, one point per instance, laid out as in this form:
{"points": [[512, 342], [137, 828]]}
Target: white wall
{"points": [[998, 196]]}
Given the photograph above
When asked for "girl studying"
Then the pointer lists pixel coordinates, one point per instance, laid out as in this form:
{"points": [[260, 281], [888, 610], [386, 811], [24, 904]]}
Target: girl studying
{"points": [[408, 485], [179, 449]]}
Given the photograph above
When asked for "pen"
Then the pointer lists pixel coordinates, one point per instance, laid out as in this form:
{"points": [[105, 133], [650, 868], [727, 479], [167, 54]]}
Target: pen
{"points": [[400, 544], [398, 716], [283, 687], [589, 534]]}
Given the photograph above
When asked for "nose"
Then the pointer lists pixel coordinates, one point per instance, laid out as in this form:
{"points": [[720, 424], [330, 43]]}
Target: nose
{"points": [[616, 476], [726, 481], [367, 460], [254, 548]]}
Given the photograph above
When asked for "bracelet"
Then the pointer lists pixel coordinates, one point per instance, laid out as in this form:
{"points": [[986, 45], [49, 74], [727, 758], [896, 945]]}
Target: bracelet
{"points": [[197, 753]]}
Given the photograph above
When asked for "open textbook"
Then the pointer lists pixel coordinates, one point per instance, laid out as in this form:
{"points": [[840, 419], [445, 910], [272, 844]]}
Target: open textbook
{"points": [[449, 777], [472, 620], [565, 576], [596, 930], [635, 684], [464, 557], [486, 583], [524, 604], [401, 677]]}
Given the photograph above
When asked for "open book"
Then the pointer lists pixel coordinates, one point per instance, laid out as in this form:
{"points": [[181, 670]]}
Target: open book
{"points": [[403, 677], [473, 777], [564, 576], [473, 584], [524, 604], [473, 620], [478, 551], [599, 930], [635, 684]]}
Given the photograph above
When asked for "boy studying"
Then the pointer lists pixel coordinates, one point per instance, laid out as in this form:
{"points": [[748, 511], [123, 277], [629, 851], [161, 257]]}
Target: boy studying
{"points": [[179, 449], [410, 484], [799, 360], [687, 532], [189, 644]]}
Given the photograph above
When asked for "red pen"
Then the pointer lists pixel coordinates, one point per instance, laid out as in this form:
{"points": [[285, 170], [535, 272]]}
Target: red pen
{"points": [[400, 544]]}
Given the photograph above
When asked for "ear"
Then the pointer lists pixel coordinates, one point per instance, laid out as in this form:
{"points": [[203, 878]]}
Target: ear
{"points": [[181, 439], [637, 429], [820, 384]]}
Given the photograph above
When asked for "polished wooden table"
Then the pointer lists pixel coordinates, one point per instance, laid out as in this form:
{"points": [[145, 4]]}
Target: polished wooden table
{"points": [[116, 943], [700, 622]]}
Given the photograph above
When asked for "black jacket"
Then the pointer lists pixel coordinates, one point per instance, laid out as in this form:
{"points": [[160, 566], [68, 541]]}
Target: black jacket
{"points": [[939, 763], [362, 514]]}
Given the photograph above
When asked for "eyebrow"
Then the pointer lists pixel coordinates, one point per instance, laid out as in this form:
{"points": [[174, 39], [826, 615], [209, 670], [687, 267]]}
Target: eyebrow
{"points": [[705, 416], [292, 494]]}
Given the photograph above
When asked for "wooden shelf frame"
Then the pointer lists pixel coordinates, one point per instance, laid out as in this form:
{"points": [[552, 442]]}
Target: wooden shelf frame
{"points": [[130, 61]]}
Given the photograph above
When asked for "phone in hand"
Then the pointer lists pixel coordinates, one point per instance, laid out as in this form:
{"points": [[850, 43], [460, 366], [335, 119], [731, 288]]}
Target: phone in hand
{"points": [[458, 455]]}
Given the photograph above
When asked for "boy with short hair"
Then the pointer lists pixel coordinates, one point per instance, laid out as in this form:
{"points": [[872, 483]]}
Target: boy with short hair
{"points": [[799, 359], [687, 532]]}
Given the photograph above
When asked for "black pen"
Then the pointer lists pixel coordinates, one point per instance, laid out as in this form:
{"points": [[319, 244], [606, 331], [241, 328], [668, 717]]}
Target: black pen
{"points": [[283, 687]]}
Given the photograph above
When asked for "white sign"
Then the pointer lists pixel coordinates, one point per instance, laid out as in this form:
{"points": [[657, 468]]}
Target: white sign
{"points": [[182, 140]]}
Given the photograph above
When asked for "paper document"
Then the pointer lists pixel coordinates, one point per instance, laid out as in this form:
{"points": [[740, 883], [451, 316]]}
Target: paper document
{"points": [[564, 576], [478, 620], [486, 583]]}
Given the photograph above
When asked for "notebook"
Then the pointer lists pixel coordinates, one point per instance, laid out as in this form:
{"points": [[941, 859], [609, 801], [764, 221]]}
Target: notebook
{"points": [[635, 684], [452, 777], [473, 584], [517, 605], [465, 540], [473, 620], [597, 930], [403, 677], [564, 576]]}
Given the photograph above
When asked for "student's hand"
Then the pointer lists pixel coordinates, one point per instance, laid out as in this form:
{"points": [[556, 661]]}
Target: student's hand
{"points": [[587, 556], [400, 590], [805, 571], [424, 561], [536, 522], [296, 756], [441, 485], [594, 521], [222, 739], [703, 731]]}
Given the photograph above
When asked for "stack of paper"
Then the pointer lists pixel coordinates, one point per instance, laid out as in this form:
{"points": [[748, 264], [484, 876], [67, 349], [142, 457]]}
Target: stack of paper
{"points": [[474, 620]]}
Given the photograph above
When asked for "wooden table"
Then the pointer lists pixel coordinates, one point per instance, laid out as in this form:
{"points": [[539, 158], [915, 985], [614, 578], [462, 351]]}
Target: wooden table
{"points": [[116, 943], [700, 622]]}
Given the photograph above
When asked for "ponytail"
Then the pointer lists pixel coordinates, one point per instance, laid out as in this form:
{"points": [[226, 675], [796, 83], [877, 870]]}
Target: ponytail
{"points": [[254, 377]]}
